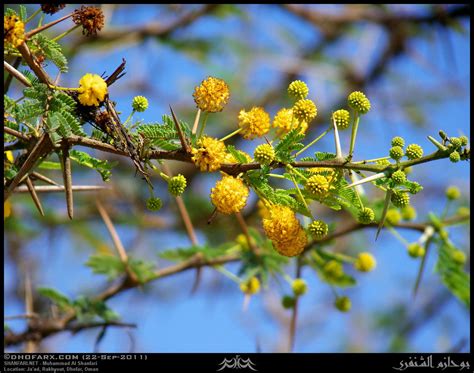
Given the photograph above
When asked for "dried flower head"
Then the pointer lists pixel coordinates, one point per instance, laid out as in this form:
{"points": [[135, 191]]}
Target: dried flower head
{"points": [[51, 8], [90, 18], [212, 95]]}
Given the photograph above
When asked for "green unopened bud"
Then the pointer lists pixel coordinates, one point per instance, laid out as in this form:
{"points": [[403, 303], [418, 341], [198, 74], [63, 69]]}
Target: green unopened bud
{"points": [[333, 270], [177, 185], [366, 215], [459, 257], [139, 103], [288, 301], [343, 304], [414, 151], [359, 102], [415, 250], [464, 140], [393, 216], [453, 192], [154, 203], [400, 199], [408, 213], [298, 89], [398, 141], [396, 152], [318, 229], [341, 117], [399, 177], [299, 287], [454, 157], [264, 154], [455, 142]]}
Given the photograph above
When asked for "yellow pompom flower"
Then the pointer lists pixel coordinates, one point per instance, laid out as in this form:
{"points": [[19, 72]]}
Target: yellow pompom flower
{"points": [[229, 195], [210, 154], [298, 89], [13, 30], [284, 229], [284, 122], [254, 123], [305, 110], [212, 95], [92, 90], [331, 174], [252, 286], [365, 262], [294, 246]]}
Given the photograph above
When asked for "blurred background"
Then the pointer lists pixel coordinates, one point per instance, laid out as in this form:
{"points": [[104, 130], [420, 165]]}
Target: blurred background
{"points": [[413, 63]]}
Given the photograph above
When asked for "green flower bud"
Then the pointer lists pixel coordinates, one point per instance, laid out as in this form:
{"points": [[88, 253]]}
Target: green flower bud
{"points": [[455, 142], [400, 199], [464, 211], [398, 141], [453, 192], [298, 89], [459, 257], [139, 103], [154, 204], [288, 302], [408, 213], [341, 117], [343, 304], [264, 154], [464, 140], [415, 187], [414, 151], [399, 177], [318, 228], [299, 287], [396, 152], [415, 250], [359, 102], [333, 270], [177, 185], [393, 216], [366, 215], [408, 170], [454, 157]]}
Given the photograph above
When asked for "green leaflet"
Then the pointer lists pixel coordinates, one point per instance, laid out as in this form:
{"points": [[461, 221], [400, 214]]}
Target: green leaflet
{"points": [[452, 274], [56, 297], [163, 136], [108, 265], [237, 154], [144, 270], [88, 309], [208, 252], [289, 143], [51, 50], [103, 167], [322, 156]]}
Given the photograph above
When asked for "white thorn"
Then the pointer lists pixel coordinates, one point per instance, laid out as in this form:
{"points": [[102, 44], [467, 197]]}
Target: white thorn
{"points": [[367, 179]]}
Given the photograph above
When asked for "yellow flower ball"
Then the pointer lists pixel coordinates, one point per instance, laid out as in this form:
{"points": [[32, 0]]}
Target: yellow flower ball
{"points": [[254, 123], [299, 286], [229, 195], [293, 245], [212, 95], [92, 90], [365, 262], [252, 286], [305, 110], [210, 154], [284, 122], [13, 30]]}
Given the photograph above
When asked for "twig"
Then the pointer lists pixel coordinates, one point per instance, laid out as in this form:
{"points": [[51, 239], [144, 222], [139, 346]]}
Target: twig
{"points": [[16, 133], [41, 177], [33, 64], [67, 177], [60, 188], [245, 230], [48, 25]]}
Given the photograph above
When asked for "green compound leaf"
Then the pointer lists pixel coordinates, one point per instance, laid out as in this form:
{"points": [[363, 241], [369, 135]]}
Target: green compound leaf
{"points": [[323, 156], [51, 50], [237, 154], [163, 136], [144, 271], [88, 309], [103, 167], [56, 297], [289, 143], [108, 265], [208, 252], [452, 274]]}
